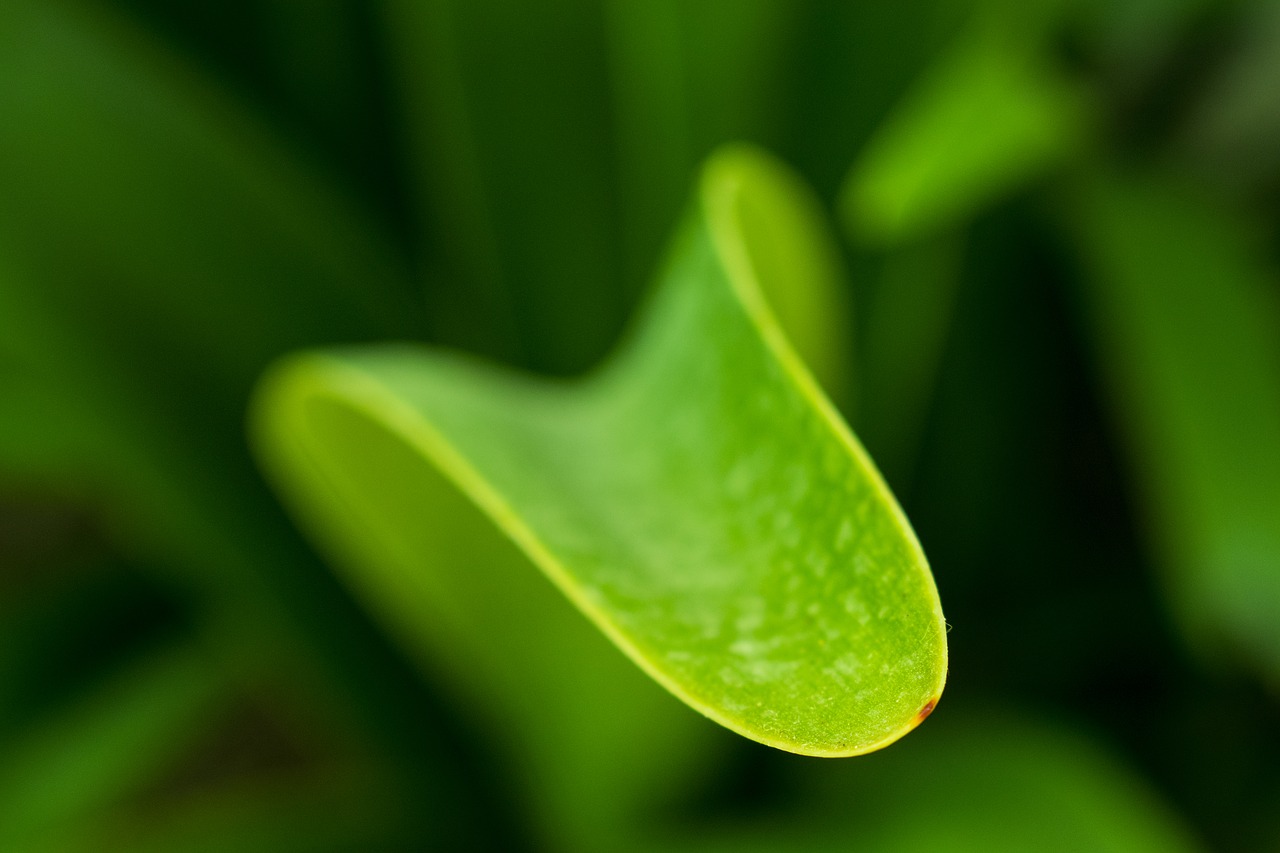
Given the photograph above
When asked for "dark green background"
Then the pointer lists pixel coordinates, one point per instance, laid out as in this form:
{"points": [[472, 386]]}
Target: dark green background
{"points": [[1071, 386]]}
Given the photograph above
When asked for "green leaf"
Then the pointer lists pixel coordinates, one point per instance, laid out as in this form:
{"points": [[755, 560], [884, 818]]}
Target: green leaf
{"points": [[1189, 333], [696, 497], [991, 114]]}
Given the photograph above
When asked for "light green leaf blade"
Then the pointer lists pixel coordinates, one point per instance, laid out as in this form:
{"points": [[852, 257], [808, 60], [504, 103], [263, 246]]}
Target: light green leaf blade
{"points": [[697, 497]]}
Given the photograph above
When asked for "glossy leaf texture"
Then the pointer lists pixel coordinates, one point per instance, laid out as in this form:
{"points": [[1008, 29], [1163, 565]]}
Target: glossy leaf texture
{"points": [[697, 496]]}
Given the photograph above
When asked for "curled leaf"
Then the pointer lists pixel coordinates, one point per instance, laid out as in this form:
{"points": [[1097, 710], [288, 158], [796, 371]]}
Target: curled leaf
{"points": [[697, 497]]}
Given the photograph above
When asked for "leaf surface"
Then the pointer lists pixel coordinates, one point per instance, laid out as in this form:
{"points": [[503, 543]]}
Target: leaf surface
{"points": [[696, 497]]}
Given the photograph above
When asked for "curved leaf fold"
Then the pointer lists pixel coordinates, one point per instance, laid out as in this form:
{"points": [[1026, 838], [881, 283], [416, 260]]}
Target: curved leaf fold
{"points": [[697, 496]]}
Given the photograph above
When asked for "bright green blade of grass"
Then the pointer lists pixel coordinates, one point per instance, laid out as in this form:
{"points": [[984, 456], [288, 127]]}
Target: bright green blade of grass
{"points": [[989, 115], [697, 497], [1189, 331]]}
